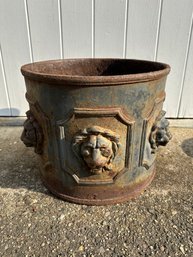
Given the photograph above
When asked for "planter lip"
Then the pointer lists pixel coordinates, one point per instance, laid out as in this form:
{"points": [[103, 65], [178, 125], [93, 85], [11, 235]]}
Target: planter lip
{"points": [[30, 71]]}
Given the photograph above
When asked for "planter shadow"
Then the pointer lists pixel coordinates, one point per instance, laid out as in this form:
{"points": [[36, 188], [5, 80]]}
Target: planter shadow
{"points": [[187, 146]]}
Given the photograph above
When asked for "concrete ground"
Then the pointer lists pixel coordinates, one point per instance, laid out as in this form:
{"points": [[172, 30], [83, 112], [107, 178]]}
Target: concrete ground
{"points": [[35, 223]]}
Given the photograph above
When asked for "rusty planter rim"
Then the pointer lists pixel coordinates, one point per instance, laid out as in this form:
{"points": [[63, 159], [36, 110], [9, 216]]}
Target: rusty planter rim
{"points": [[96, 68]]}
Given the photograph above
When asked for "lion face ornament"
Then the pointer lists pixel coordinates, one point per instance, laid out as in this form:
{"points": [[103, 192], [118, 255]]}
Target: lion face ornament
{"points": [[160, 134], [97, 147]]}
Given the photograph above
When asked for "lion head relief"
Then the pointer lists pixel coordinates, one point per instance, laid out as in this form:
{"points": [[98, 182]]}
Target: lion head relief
{"points": [[98, 147]]}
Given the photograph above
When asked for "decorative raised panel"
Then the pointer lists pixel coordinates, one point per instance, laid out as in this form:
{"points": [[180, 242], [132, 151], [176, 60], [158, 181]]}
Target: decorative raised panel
{"points": [[105, 112], [104, 169]]}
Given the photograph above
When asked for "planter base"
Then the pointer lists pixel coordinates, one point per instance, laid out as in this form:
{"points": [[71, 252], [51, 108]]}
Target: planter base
{"points": [[118, 195]]}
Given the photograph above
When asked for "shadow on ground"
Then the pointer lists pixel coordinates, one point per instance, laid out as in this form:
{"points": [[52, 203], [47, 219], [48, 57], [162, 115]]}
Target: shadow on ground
{"points": [[187, 146], [18, 164]]}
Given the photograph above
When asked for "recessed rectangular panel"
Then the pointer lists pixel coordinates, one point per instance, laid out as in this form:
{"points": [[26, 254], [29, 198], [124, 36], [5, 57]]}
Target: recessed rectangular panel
{"points": [[186, 101], [4, 101], [15, 51], [109, 28], [95, 144], [76, 28], [142, 29], [44, 29], [172, 47]]}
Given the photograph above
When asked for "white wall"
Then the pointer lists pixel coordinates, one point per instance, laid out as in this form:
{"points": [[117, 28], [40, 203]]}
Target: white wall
{"points": [[32, 30]]}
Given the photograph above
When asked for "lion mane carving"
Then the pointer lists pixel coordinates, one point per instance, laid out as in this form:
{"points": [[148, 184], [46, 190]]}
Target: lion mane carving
{"points": [[97, 147]]}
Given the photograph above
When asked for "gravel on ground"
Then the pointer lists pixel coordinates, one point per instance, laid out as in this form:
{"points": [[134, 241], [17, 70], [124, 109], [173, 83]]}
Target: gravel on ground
{"points": [[35, 223]]}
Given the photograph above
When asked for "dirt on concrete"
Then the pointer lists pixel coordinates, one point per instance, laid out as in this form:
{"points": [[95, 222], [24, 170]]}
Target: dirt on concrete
{"points": [[35, 223]]}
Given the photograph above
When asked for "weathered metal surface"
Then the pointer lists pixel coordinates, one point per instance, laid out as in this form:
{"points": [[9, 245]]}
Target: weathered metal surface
{"points": [[101, 122]]}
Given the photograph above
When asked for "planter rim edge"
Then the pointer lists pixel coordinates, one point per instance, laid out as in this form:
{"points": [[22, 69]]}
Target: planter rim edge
{"points": [[100, 80]]}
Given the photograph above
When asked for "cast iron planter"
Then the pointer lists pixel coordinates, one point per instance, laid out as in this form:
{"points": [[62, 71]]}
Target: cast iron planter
{"points": [[96, 125]]}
